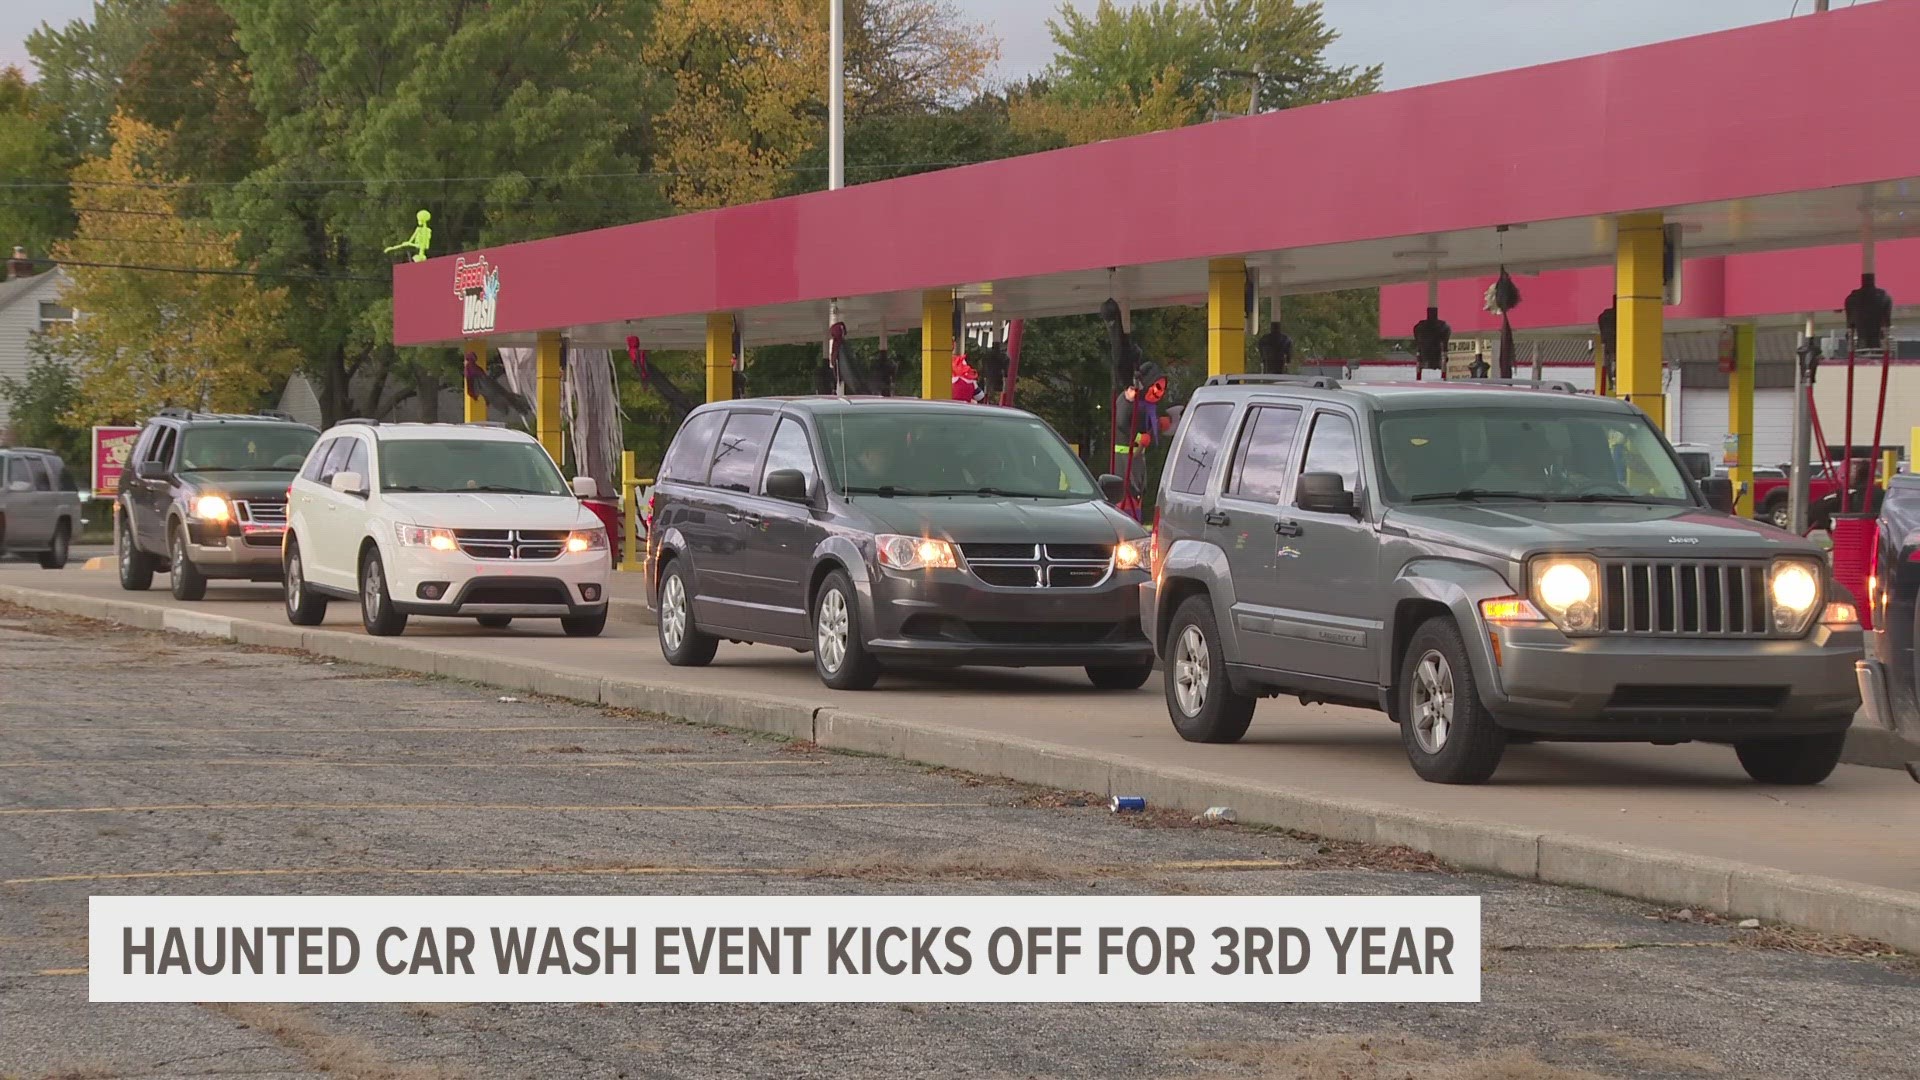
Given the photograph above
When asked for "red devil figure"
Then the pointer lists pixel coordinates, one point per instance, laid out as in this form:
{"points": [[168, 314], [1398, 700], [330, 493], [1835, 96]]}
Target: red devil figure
{"points": [[966, 381]]}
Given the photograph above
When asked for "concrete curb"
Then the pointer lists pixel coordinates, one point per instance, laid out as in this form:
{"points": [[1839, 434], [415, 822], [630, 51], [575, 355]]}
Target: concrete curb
{"points": [[1643, 873]]}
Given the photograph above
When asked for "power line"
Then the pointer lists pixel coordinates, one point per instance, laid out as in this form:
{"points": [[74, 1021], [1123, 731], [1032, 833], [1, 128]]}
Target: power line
{"points": [[292, 275]]}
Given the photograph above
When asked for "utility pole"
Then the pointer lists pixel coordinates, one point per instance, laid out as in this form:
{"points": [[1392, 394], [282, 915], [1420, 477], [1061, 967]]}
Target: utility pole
{"points": [[836, 142], [1819, 6]]}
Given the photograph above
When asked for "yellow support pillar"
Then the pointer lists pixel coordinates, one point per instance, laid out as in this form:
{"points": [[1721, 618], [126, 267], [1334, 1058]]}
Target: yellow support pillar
{"points": [[719, 357], [1640, 280], [936, 345], [1740, 418], [1226, 317], [630, 511], [546, 395], [476, 406]]}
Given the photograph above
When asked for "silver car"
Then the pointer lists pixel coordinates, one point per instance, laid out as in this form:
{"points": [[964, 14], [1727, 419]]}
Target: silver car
{"points": [[39, 507]]}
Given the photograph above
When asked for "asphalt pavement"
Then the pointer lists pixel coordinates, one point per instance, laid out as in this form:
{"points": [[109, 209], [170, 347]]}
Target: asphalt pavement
{"points": [[138, 763]]}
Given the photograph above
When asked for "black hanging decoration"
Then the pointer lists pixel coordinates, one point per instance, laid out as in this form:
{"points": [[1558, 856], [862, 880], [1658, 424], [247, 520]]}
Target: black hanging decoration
{"points": [[1276, 351], [1869, 312], [1504, 297], [1609, 326], [1430, 337]]}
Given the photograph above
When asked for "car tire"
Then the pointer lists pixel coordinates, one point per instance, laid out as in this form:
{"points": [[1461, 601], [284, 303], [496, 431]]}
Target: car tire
{"points": [[377, 612], [840, 653], [304, 606], [584, 625], [1201, 700], [1119, 676], [494, 622], [1780, 513], [136, 567], [187, 583], [681, 642], [55, 557], [1449, 735], [1797, 759]]}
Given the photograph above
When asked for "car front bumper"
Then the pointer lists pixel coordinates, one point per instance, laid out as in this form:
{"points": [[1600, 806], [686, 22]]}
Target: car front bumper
{"points": [[254, 553], [424, 582], [1637, 688], [951, 617]]}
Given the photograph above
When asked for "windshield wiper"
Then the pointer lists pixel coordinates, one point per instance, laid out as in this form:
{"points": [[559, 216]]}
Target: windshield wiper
{"points": [[1472, 494], [414, 489], [888, 491], [1609, 497], [498, 489], [1003, 493]]}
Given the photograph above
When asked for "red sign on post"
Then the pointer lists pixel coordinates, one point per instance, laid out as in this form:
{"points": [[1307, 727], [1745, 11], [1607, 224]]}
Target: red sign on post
{"points": [[111, 448]]}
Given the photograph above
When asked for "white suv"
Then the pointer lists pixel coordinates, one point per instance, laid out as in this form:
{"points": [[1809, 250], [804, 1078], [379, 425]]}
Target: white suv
{"points": [[442, 519]]}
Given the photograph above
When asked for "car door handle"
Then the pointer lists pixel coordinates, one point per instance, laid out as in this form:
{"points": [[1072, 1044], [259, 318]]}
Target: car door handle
{"points": [[1218, 518], [1288, 528], [738, 518]]}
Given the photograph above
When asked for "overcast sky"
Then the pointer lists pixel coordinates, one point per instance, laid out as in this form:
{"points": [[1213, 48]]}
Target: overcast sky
{"points": [[1419, 41]]}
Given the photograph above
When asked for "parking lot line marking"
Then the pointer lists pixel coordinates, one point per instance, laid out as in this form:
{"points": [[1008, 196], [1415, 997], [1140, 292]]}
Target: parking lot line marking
{"points": [[617, 763], [564, 871], [454, 729], [47, 811]]}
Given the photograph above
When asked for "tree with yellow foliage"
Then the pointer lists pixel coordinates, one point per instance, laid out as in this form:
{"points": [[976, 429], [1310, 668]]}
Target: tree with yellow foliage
{"points": [[750, 83], [202, 333]]}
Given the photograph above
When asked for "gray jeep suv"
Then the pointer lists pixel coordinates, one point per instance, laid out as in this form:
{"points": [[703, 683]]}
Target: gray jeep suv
{"points": [[1485, 564], [865, 529]]}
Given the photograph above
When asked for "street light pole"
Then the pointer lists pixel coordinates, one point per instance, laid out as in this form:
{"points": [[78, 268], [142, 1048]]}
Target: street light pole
{"points": [[837, 100]]}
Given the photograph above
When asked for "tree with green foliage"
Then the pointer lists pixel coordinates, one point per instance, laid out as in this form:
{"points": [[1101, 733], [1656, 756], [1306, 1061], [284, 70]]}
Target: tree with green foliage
{"points": [[38, 405], [191, 81], [34, 207], [81, 65], [509, 120]]}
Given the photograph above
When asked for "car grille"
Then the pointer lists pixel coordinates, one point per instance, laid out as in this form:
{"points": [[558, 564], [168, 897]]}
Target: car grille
{"points": [[1698, 599], [1040, 566], [521, 544], [947, 628], [270, 515]]}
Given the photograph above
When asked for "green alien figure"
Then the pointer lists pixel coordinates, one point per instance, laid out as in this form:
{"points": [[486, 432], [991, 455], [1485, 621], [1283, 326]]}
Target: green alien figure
{"points": [[418, 242]]}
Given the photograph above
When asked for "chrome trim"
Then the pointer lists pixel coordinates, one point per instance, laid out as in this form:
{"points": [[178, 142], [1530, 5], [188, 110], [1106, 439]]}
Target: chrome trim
{"points": [[1043, 564]]}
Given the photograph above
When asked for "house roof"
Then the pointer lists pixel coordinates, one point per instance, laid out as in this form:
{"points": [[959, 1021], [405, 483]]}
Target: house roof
{"points": [[19, 288]]}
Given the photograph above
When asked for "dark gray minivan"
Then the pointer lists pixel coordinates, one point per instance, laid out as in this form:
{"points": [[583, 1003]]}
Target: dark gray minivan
{"points": [[865, 529]]}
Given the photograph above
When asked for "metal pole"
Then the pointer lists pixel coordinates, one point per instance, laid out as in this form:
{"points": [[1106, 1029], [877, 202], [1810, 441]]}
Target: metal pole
{"points": [[837, 100], [1798, 487]]}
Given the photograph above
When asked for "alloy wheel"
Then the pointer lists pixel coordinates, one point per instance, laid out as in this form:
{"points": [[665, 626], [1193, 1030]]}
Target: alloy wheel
{"points": [[1432, 702], [830, 633], [373, 592], [1192, 670], [296, 581], [673, 612]]}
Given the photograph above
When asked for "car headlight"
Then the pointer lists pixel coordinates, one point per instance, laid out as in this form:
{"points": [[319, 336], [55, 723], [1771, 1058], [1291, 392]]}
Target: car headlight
{"points": [[914, 552], [1794, 588], [212, 508], [1127, 555], [421, 536], [586, 540], [1566, 588]]}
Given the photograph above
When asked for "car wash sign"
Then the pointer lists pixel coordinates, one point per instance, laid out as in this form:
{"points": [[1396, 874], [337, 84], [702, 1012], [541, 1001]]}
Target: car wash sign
{"points": [[477, 284]]}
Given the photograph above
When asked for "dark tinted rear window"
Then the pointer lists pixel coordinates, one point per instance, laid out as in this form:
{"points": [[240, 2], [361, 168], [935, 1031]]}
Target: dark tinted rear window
{"points": [[736, 459], [687, 458], [1205, 426]]}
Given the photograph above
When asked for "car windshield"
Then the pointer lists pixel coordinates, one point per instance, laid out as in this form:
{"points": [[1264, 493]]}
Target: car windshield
{"points": [[984, 452], [232, 447], [484, 465], [1540, 453]]}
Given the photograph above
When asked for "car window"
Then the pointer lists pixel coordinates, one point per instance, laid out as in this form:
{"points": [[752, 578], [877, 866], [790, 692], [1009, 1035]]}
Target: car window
{"points": [[62, 477], [875, 449], [1265, 453], [1332, 448], [737, 453], [357, 461], [1206, 426], [692, 449], [37, 472], [336, 458], [790, 450], [1545, 451], [316, 459], [232, 447], [162, 449], [502, 466]]}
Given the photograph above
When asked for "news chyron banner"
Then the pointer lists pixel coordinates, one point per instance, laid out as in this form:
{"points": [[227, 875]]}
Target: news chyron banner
{"points": [[785, 948]]}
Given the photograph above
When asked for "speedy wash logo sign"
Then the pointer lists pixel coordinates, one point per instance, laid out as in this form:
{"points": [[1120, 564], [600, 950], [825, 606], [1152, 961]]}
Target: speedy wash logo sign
{"points": [[477, 284]]}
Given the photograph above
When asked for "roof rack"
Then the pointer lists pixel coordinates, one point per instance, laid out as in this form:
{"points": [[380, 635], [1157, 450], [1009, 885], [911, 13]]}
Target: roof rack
{"points": [[1317, 382], [1552, 386], [175, 412], [357, 420], [30, 449]]}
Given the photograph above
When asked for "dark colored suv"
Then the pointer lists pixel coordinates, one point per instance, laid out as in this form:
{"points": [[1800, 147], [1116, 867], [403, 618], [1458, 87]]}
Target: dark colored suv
{"points": [[871, 529], [1485, 564], [1890, 675], [206, 497]]}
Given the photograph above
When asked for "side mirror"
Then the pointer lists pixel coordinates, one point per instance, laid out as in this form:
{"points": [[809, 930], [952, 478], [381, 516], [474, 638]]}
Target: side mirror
{"points": [[1113, 488], [788, 485], [586, 487], [1324, 493], [151, 470], [349, 483], [1718, 491]]}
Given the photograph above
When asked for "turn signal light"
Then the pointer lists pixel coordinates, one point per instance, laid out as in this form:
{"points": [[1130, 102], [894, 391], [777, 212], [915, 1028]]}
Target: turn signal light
{"points": [[1840, 615], [1510, 609]]}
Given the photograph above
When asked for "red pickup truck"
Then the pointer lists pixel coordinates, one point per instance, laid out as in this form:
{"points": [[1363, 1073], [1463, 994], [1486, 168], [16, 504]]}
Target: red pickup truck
{"points": [[1770, 495]]}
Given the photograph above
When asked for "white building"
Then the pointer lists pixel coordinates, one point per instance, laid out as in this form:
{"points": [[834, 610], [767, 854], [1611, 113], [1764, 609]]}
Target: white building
{"points": [[29, 306]]}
